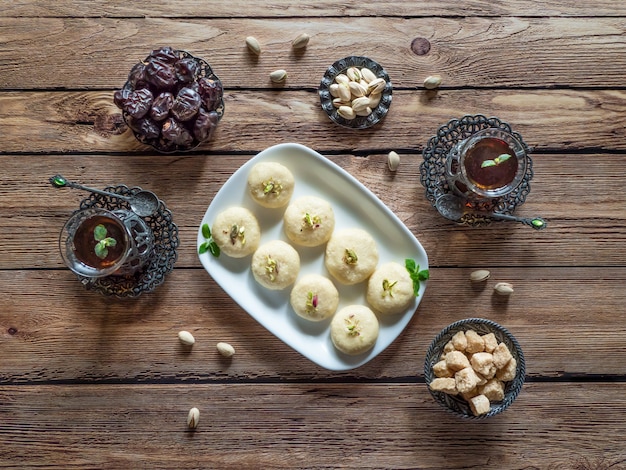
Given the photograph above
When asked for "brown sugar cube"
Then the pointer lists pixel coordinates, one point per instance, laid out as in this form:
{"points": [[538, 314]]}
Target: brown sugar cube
{"points": [[480, 405], [491, 342], [440, 369], [475, 342], [508, 372], [482, 363], [466, 380], [456, 360], [449, 347], [459, 341], [467, 396], [491, 373], [501, 355], [445, 385], [493, 390]]}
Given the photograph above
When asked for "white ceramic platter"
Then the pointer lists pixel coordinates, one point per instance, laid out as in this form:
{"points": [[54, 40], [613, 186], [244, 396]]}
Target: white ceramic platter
{"points": [[354, 206]]}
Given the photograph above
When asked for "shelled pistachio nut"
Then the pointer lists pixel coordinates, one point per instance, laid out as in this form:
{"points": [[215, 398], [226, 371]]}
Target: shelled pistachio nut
{"points": [[253, 45], [356, 92]]}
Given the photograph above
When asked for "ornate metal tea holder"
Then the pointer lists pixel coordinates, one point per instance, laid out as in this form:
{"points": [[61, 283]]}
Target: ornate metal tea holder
{"points": [[155, 265], [477, 210]]}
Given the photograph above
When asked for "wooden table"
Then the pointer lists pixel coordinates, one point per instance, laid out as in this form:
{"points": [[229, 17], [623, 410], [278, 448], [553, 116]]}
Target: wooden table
{"points": [[87, 381]]}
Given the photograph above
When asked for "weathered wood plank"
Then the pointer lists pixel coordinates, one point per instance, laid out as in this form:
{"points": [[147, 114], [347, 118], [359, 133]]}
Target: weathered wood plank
{"points": [[52, 330], [549, 120], [477, 52], [580, 195], [287, 8], [306, 426]]}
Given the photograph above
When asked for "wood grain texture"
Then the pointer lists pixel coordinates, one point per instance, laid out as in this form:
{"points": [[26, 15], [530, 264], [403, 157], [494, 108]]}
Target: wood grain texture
{"points": [[306, 425], [549, 121], [90, 382], [51, 330], [95, 53]]}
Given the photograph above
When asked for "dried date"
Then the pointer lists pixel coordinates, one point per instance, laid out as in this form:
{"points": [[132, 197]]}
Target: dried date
{"points": [[161, 106], [186, 105]]}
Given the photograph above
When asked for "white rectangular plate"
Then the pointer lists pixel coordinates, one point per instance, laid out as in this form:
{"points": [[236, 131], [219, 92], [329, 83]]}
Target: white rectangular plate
{"points": [[354, 206]]}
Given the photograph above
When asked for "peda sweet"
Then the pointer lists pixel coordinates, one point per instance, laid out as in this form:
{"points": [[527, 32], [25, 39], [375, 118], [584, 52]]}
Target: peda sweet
{"points": [[351, 255], [309, 221], [314, 297], [271, 184], [354, 329], [390, 289], [237, 232], [275, 265]]}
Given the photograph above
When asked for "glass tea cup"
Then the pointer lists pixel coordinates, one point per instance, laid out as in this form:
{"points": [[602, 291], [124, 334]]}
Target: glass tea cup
{"points": [[97, 242], [490, 163]]}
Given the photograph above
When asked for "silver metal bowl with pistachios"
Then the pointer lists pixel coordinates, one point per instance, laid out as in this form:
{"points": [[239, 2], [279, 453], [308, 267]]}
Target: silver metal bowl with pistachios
{"points": [[355, 92]]}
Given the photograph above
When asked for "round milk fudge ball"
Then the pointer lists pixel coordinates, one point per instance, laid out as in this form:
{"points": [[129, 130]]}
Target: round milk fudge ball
{"points": [[236, 231], [309, 221], [354, 329], [270, 184], [314, 297], [390, 289], [275, 265], [351, 255]]}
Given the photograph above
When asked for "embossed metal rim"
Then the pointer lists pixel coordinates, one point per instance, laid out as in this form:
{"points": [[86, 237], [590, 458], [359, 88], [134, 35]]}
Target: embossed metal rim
{"points": [[161, 261], [457, 405], [159, 144], [432, 169], [340, 66]]}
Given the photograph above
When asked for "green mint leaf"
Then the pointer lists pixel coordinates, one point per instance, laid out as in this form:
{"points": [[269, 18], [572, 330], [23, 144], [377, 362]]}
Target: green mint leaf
{"points": [[410, 265], [423, 275], [109, 241], [101, 249], [502, 158], [100, 232], [203, 248], [206, 231], [214, 249]]}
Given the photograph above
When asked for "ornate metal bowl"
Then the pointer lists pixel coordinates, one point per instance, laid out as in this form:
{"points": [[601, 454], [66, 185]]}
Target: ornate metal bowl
{"points": [[454, 403], [159, 143], [359, 122]]}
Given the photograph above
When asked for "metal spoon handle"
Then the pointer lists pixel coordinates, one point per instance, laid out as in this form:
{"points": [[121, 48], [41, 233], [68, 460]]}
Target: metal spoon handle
{"points": [[535, 222], [59, 181]]}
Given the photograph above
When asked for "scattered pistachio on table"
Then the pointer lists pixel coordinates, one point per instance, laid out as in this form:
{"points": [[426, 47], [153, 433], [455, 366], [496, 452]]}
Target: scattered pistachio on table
{"points": [[479, 275], [432, 82], [356, 92], [193, 417], [503, 288], [225, 349], [253, 45], [186, 338], [393, 160], [278, 76], [301, 41]]}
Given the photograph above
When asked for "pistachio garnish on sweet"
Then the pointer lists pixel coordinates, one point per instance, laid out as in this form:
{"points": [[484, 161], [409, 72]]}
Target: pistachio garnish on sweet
{"points": [[311, 221], [271, 268], [352, 326], [237, 233], [350, 257], [311, 302], [387, 288]]}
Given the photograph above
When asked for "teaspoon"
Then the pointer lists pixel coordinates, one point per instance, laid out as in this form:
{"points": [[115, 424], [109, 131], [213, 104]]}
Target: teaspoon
{"points": [[453, 208], [144, 203]]}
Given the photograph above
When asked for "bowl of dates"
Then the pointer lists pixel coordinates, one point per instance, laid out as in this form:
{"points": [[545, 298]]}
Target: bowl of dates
{"points": [[172, 100]]}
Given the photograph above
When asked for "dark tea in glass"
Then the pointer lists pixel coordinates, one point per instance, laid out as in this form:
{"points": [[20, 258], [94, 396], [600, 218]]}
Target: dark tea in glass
{"points": [[100, 241], [490, 163]]}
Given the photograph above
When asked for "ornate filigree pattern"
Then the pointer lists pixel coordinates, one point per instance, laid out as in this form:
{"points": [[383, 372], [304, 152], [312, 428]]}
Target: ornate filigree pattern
{"points": [[433, 168], [161, 261]]}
